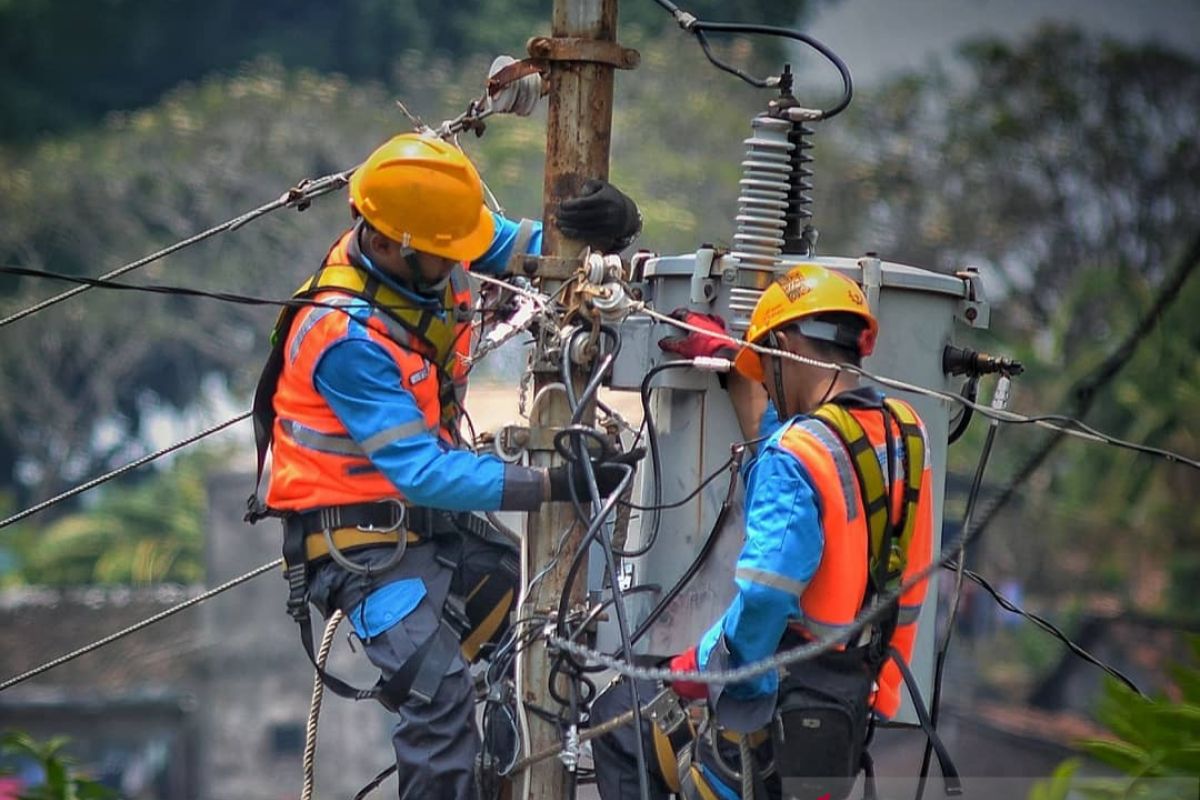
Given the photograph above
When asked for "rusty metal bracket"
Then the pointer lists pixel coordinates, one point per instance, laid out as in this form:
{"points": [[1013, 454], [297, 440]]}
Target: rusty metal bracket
{"points": [[570, 48], [554, 268], [513, 73]]}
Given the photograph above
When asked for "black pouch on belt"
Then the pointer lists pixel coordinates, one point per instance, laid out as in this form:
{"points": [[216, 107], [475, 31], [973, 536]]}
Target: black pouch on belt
{"points": [[820, 728]]}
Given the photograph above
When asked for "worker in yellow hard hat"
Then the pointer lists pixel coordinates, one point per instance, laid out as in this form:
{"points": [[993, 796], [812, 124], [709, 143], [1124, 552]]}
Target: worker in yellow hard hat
{"points": [[359, 407], [838, 511]]}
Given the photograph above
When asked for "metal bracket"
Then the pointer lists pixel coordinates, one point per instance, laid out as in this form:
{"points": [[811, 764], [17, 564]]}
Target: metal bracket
{"points": [[704, 288], [872, 280], [665, 711], [554, 268], [570, 48], [973, 309]]}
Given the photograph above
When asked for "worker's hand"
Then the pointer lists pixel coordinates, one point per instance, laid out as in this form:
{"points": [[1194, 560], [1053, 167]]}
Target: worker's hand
{"points": [[690, 344], [602, 216], [609, 470], [687, 662]]}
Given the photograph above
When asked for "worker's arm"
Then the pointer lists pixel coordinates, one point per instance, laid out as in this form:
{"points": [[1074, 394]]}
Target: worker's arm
{"points": [[781, 553], [364, 388], [526, 233], [750, 405]]}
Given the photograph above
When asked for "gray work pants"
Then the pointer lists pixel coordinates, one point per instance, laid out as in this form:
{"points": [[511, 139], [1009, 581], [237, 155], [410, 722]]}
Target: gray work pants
{"points": [[435, 742]]}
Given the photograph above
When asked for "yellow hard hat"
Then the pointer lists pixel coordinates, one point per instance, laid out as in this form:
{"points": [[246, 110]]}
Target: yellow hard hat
{"points": [[424, 194], [804, 291]]}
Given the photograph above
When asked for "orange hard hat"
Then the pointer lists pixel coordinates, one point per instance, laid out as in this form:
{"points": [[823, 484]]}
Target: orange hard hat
{"points": [[806, 290], [424, 194]]}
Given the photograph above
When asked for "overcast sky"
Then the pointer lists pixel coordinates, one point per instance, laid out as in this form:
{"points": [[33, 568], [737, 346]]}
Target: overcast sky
{"points": [[878, 37]]}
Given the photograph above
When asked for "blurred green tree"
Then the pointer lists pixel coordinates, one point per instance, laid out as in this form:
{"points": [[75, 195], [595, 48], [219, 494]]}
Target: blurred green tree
{"points": [[64, 65]]}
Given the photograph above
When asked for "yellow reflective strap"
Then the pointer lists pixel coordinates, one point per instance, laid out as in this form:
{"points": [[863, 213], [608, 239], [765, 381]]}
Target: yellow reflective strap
{"points": [[666, 759], [438, 331], [700, 784], [487, 626], [914, 447], [870, 476]]}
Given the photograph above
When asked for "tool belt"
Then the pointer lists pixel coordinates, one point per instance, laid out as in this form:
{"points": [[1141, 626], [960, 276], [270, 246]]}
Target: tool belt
{"points": [[314, 536]]}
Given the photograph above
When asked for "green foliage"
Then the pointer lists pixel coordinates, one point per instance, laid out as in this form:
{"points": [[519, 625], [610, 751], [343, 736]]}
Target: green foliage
{"points": [[62, 782], [68, 64], [145, 533], [1064, 167], [1156, 743]]}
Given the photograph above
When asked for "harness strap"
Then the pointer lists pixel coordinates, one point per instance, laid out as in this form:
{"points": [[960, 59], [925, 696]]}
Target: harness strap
{"points": [[421, 674], [949, 771], [296, 573], [872, 485], [914, 452]]}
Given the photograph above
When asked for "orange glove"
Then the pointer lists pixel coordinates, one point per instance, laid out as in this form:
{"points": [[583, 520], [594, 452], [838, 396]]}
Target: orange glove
{"points": [[686, 662]]}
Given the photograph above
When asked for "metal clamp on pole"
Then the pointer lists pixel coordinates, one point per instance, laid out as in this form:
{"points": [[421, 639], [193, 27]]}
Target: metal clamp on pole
{"points": [[570, 48]]}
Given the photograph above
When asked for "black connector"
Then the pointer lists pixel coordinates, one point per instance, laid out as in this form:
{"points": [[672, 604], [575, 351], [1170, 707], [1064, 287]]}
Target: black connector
{"points": [[965, 361]]}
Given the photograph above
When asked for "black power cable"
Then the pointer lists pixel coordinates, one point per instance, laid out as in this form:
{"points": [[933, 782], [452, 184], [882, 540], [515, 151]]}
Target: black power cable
{"points": [[580, 458], [300, 196], [701, 555], [699, 27]]}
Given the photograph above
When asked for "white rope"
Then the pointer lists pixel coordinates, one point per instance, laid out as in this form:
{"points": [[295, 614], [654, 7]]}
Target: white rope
{"points": [[314, 706]]}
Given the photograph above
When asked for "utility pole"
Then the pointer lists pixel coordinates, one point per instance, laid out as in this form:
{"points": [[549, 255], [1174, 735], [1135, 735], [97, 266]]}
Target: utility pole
{"points": [[582, 53]]}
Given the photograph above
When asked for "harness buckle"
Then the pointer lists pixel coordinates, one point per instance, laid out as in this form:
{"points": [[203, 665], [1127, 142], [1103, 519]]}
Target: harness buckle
{"points": [[395, 526], [665, 711]]}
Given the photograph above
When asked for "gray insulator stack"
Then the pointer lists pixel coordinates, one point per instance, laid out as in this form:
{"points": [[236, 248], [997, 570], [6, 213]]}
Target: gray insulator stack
{"points": [[763, 200]]}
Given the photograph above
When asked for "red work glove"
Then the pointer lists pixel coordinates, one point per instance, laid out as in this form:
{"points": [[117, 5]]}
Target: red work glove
{"points": [[686, 662], [690, 344]]}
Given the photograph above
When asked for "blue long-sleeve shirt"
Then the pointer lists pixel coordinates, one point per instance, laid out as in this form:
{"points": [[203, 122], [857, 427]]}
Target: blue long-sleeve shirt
{"points": [[782, 551], [363, 386]]}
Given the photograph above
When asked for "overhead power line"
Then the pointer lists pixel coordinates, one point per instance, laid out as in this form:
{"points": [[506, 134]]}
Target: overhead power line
{"points": [[299, 197], [1085, 390], [132, 465], [74, 654]]}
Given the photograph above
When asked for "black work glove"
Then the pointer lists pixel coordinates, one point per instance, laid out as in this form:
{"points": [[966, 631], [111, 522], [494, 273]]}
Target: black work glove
{"points": [[609, 469], [602, 216]]}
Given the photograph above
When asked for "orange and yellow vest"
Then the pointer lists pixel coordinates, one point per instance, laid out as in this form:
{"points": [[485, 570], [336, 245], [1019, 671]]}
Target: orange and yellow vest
{"points": [[836, 593], [315, 462]]}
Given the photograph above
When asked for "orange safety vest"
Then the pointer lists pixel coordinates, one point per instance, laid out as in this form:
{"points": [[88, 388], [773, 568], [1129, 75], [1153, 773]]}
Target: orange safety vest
{"points": [[315, 463], [835, 594]]}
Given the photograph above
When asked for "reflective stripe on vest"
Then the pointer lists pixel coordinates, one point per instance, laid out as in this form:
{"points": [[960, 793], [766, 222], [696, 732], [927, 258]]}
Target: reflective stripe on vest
{"points": [[316, 462], [836, 592]]}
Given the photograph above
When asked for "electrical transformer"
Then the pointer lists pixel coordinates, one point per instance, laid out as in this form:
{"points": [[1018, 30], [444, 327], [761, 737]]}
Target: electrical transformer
{"points": [[919, 311]]}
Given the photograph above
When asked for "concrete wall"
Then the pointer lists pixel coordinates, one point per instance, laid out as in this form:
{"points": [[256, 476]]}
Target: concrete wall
{"points": [[258, 682]]}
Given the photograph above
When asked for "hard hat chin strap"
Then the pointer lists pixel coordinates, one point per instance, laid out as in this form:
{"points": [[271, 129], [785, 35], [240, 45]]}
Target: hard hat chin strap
{"points": [[775, 342], [419, 284]]}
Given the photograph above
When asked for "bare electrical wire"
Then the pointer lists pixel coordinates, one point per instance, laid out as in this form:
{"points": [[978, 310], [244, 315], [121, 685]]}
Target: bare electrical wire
{"points": [[299, 196], [132, 465], [200, 598]]}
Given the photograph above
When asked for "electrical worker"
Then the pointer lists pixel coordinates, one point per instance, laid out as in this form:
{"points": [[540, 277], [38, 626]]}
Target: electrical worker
{"points": [[360, 405], [803, 572]]}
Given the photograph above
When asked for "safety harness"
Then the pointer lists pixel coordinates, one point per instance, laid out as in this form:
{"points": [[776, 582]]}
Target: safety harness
{"points": [[330, 532], [823, 723]]}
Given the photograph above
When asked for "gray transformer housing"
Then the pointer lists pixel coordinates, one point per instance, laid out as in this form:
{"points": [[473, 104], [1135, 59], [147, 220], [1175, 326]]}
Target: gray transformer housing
{"points": [[918, 311]]}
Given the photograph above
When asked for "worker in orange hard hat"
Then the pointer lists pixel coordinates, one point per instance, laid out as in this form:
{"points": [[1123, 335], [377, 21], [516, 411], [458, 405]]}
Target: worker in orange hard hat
{"points": [[359, 407], [838, 512]]}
